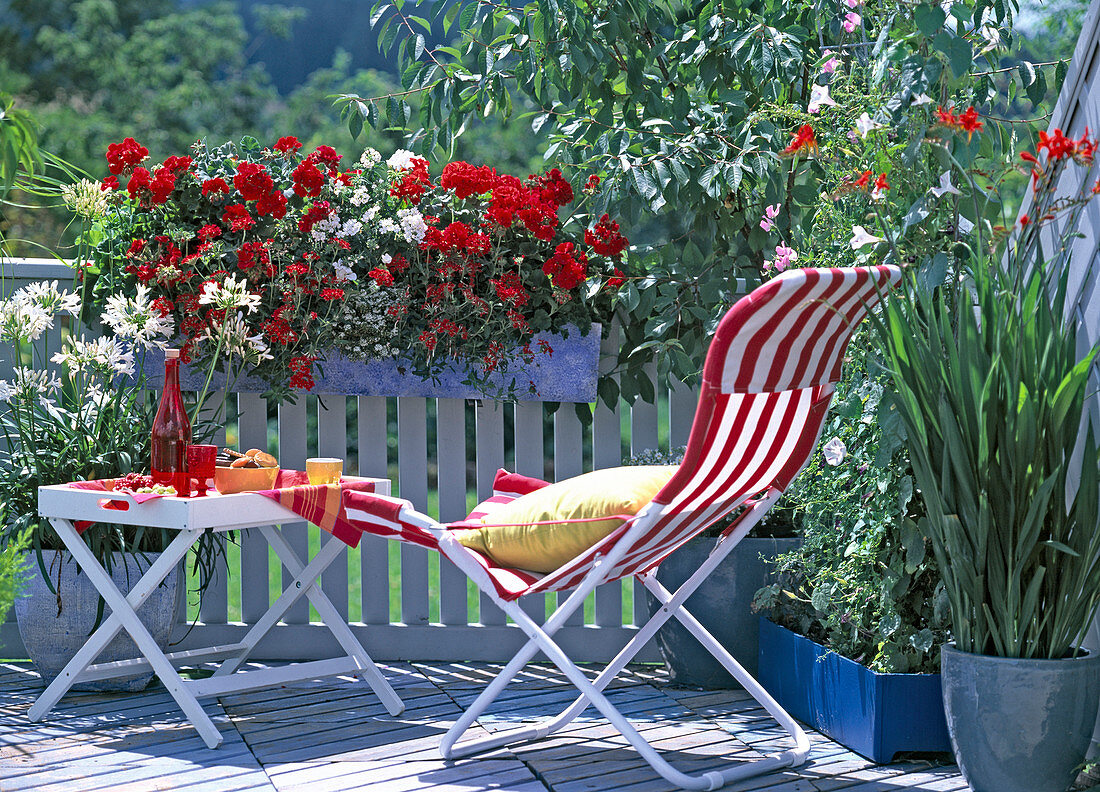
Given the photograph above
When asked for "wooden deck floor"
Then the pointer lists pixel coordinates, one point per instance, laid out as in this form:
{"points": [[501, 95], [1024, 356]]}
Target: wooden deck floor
{"points": [[333, 735]]}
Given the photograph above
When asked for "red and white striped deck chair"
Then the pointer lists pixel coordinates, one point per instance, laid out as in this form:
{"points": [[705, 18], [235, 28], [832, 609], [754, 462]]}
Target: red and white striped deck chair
{"points": [[767, 384]]}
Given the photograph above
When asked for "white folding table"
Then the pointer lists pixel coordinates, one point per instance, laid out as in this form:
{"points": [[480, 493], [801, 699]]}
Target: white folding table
{"points": [[190, 517]]}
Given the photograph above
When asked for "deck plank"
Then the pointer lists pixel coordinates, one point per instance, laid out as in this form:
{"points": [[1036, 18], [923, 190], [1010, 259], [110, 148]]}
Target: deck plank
{"points": [[333, 735]]}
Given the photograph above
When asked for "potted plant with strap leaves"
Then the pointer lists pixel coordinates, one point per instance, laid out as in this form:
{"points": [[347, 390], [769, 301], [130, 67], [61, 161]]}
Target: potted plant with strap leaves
{"points": [[992, 374]]}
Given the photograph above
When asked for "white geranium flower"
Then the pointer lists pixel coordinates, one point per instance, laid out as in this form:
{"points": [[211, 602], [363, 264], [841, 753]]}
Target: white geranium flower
{"points": [[343, 271], [360, 196], [229, 295], [388, 225], [865, 125], [370, 157], [861, 237], [350, 228], [412, 225], [819, 97], [834, 452], [945, 186], [136, 319], [401, 160]]}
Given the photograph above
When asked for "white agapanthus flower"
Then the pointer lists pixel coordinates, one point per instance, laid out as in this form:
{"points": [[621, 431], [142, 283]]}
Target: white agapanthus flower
{"points": [[6, 391], [47, 296], [22, 323], [945, 186], [401, 160], [95, 399], [412, 225], [85, 198], [104, 355], [834, 452], [370, 157], [861, 236], [30, 385], [136, 319], [229, 295], [238, 343], [865, 124]]}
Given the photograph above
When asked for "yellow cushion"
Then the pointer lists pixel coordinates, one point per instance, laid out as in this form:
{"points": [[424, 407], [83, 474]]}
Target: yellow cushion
{"points": [[510, 538]]}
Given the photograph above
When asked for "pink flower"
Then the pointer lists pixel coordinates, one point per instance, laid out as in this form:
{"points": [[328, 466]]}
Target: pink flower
{"points": [[784, 257], [829, 66], [853, 3], [852, 20], [768, 220]]}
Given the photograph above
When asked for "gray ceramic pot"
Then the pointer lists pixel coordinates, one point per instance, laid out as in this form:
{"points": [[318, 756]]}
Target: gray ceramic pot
{"points": [[1019, 725], [53, 629], [721, 603]]}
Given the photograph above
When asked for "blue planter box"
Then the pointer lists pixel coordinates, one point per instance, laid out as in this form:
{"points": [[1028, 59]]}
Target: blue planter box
{"points": [[876, 715], [567, 375]]}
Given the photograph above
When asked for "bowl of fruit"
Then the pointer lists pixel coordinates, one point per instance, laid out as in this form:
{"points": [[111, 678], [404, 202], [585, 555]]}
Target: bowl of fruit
{"points": [[248, 472]]}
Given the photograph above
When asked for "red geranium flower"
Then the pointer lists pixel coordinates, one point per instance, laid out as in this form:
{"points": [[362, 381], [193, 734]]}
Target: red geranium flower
{"points": [[466, 179], [237, 218], [605, 238], [308, 181], [252, 181], [288, 144], [126, 154], [381, 276], [215, 187]]}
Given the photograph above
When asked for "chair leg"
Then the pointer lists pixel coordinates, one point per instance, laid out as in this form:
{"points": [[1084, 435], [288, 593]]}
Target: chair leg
{"points": [[754, 688]]}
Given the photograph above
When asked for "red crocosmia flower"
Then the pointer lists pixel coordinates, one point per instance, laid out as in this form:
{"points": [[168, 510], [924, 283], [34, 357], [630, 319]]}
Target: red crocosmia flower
{"points": [[881, 185], [215, 186], [237, 218], [864, 179], [466, 179], [381, 276], [126, 154], [110, 183], [1027, 156], [605, 239], [969, 122], [802, 140], [287, 145], [1024, 221], [947, 117], [252, 181], [308, 180]]}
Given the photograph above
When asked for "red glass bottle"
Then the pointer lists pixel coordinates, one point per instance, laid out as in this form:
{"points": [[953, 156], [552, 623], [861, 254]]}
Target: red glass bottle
{"points": [[171, 430]]}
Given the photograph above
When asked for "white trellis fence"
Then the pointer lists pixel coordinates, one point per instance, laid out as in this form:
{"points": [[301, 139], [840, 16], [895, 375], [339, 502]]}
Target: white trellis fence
{"points": [[405, 603]]}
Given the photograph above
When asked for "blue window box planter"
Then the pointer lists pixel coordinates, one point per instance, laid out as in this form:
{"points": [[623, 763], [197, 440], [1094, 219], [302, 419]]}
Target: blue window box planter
{"points": [[567, 375], [876, 715]]}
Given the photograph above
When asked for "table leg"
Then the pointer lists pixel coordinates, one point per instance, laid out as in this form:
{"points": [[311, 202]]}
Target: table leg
{"points": [[336, 623], [123, 616]]}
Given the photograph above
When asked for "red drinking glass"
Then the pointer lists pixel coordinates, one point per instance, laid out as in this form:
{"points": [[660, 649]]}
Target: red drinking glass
{"points": [[200, 465]]}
